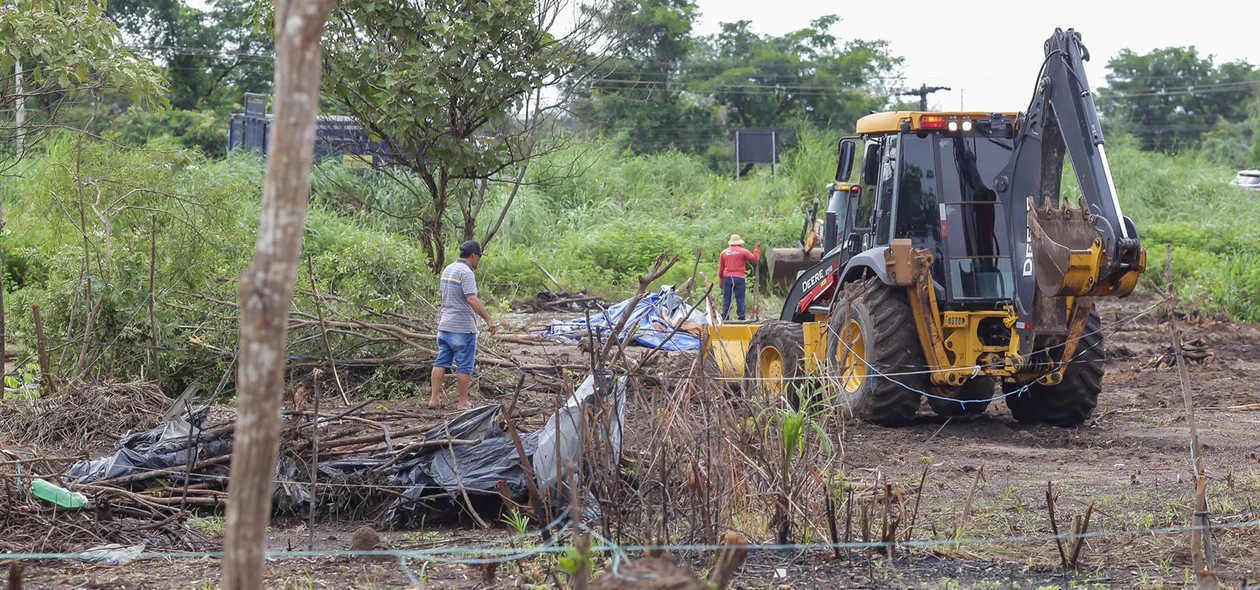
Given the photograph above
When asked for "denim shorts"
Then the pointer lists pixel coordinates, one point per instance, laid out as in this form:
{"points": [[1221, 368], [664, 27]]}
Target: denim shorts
{"points": [[458, 347]]}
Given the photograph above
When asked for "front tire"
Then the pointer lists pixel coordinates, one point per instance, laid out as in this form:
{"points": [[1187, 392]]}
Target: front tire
{"points": [[774, 362], [1072, 401], [881, 365]]}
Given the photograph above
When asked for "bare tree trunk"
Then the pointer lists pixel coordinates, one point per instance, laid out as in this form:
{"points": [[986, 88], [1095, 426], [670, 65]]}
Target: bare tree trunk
{"points": [[266, 288], [437, 224]]}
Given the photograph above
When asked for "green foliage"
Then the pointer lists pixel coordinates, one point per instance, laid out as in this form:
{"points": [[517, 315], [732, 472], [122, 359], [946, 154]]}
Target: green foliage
{"points": [[1171, 96], [666, 89], [212, 526], [206, 214], [1236, 143], [64, 49], [518, 521], [637, 96], [444, 100], [806, 73], [212, 56], [600, 229], [203, 131], [1185, 201]]}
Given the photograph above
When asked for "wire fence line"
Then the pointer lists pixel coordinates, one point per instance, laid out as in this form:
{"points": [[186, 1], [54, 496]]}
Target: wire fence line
{"points": [[485, 554]]}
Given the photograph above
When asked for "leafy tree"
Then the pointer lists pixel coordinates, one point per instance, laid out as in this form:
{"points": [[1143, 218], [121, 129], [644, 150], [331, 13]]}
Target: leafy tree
{"points": [[149, 22], [1170, 97], [440, 84], [666, 89], [639, 93], [1237, 144], [211, 56], [761, 81], [54, 53]]}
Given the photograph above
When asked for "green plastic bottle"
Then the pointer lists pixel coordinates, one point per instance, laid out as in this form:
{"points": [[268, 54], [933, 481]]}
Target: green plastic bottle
{"points": [[57, 495]]}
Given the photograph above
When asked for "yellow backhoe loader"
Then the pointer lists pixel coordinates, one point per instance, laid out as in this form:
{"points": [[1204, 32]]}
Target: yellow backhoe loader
{"points": [[954, 269]]}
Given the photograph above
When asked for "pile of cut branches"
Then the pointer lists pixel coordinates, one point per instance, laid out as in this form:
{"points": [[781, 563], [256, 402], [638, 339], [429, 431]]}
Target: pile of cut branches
{"points": [[79, 414]]}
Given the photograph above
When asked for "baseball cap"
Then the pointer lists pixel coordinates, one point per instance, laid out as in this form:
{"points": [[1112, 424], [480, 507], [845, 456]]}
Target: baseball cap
{"points": [[469, 248]]}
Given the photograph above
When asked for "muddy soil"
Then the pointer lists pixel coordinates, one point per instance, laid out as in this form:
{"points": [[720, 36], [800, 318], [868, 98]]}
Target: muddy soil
{"points": [[986, 479]]}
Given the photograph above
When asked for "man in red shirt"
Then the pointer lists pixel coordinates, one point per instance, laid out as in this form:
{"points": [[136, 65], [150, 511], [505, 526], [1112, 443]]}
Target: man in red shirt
{"points": [[731, 269]]}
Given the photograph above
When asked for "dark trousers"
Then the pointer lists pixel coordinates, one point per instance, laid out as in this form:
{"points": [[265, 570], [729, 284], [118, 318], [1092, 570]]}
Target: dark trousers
{"points": [[736, 285]]}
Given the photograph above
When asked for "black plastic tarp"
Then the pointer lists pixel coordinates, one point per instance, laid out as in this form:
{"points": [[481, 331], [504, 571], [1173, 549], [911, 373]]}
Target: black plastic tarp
{"points": [[162, 447], [427, 471], [478, 469]]}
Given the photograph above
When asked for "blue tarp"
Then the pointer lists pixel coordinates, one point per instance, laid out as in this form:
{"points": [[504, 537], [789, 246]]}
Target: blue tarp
{"points": [[651, 322]]}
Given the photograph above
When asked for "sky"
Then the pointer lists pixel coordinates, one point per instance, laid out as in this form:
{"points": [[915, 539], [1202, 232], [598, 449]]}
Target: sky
{"points": [[988, 52]]}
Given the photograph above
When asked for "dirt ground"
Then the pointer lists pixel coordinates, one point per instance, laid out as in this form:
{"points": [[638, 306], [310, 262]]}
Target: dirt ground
{"points": [[986, 479]]}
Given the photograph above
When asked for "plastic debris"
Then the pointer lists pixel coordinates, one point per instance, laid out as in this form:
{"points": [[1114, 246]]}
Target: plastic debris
{"points": [[652, 321], [114, 554], [57, 494]]}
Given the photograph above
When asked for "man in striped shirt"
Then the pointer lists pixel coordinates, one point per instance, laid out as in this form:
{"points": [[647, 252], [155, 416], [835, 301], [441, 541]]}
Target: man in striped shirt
{"points": [[457, 328]]}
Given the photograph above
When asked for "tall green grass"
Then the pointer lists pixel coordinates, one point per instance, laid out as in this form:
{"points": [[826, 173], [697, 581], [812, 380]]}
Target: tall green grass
{"points": [[206, 214], [592, 214], [1185, 201], [599, 229]]}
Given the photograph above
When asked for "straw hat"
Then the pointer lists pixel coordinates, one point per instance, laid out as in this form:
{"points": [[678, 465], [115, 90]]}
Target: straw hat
{"points": [[735, 240]]}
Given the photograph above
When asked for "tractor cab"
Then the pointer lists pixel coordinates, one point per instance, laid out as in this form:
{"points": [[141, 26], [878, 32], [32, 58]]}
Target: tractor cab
{"points": [[930, 178]]}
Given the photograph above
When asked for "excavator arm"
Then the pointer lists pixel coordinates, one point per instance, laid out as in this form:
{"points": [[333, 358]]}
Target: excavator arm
{"points": [[1059, 251]]}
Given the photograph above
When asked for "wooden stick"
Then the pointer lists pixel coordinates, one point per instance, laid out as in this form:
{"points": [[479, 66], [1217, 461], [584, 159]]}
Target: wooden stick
{"points": [[45, 366], [472, 510], [831, 522], [323, 329], [43, 459], [971, 494], [553, 280], [690, 283], [848, 517], [310, 517], [424, 444], [1200, 543], [152, 473], [1054, 526], [659, 268], [756, 311], [153, 327], [535, 498], [918, 495], [1080, 535]]}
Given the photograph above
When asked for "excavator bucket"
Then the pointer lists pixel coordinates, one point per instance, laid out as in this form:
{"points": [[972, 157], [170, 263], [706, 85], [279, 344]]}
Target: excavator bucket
{"points": [[785, 263], [1067, 250]]}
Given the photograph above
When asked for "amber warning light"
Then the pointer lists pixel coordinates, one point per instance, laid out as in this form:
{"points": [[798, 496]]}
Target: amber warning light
{"points": [[932, 122]]}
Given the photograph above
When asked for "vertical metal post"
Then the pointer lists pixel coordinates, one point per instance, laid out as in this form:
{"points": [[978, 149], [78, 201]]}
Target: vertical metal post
{"points": [[21, 105], [774, 150], [737, 154]]}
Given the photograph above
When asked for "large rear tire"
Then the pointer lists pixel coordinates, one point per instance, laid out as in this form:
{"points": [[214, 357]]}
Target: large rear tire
{"points": [[1072, 401], [878, 328], [774, 362], [976, 388]]}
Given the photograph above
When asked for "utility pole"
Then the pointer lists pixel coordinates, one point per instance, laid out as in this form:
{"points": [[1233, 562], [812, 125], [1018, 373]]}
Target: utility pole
{"points": [[922, 92]]}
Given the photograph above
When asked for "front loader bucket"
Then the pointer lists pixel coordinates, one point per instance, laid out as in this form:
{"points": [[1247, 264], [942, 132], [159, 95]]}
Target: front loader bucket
{"points": [[785, 263], [1067, 250]]}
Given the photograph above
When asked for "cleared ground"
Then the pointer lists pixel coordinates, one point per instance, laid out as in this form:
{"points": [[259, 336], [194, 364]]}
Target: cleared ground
{"points": [[1132, 463]]}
